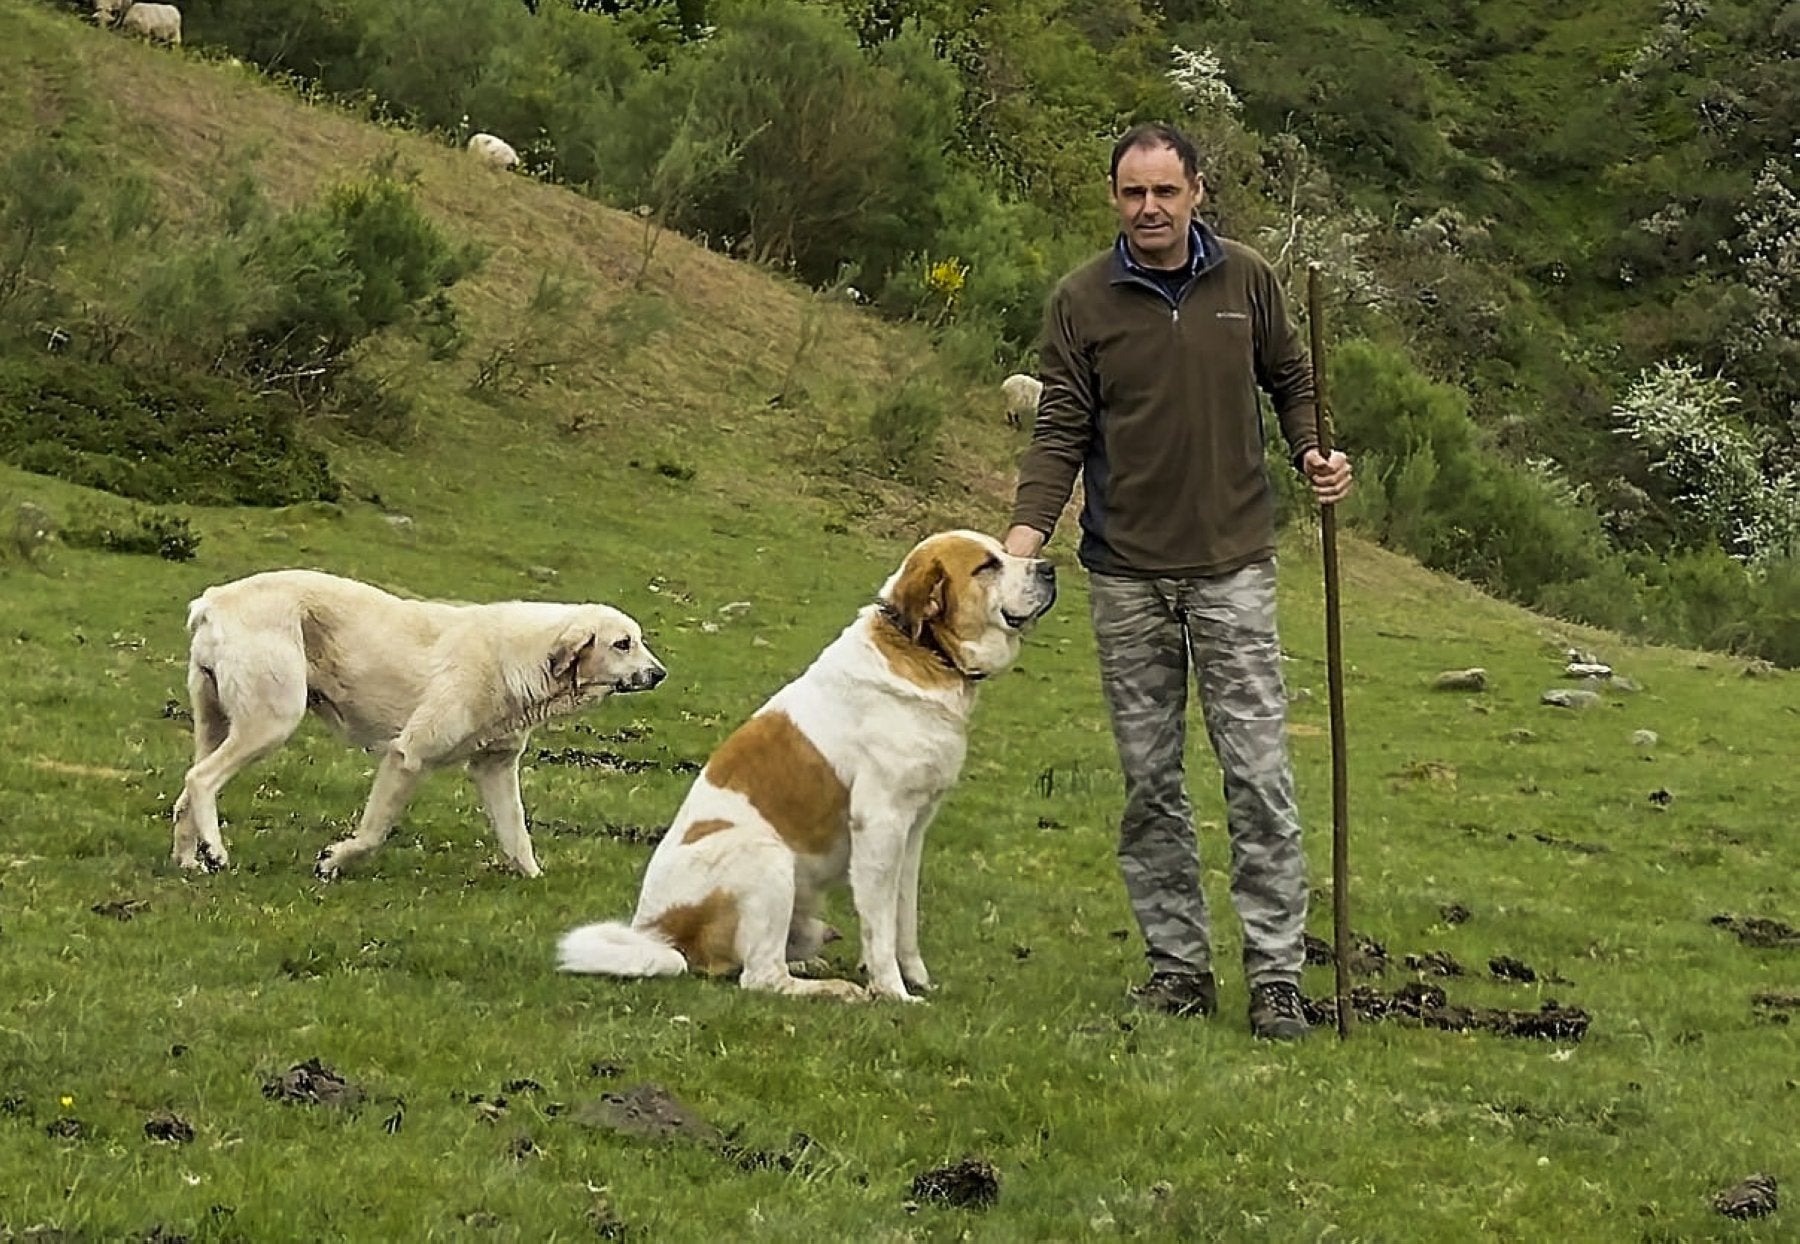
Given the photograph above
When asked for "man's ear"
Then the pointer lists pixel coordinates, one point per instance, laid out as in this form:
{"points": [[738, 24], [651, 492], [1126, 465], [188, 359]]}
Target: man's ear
{"points": [[919, 596], [570, 647]]}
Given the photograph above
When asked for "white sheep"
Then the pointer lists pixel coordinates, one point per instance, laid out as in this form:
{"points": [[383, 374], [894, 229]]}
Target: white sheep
{"points": [[1022, 394], [159, 23], [493, 152]]}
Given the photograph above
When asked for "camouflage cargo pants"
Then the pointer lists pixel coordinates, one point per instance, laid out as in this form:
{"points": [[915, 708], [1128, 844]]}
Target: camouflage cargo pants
{"points": [[1148, 632]]}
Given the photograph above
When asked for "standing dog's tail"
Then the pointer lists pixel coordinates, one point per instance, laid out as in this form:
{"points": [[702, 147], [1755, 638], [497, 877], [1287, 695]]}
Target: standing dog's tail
{"points": [[617, 949]]}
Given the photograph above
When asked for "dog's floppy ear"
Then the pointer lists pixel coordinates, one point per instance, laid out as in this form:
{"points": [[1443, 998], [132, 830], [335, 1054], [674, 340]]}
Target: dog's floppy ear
{"points": [[920, 595], [570, 649]]}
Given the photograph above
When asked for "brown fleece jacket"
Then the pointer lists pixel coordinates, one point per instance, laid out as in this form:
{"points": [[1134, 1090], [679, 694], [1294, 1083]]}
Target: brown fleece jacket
{"points": [[1155, 402]]}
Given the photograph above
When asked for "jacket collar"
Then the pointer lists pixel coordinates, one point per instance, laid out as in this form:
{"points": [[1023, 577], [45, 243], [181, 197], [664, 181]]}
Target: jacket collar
{"points": [[1204, 254]]}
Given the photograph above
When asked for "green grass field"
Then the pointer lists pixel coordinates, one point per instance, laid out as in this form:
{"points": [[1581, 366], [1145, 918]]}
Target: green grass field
{"points": [[425, 978]]}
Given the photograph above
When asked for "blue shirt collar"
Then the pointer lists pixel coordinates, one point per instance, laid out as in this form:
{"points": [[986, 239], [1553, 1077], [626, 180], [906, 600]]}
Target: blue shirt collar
{"points": [[1203, 252]]}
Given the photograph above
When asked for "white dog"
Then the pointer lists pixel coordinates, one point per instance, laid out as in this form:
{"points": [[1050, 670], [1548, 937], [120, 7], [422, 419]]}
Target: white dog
{"points": [[839, 773], [424, 683]]}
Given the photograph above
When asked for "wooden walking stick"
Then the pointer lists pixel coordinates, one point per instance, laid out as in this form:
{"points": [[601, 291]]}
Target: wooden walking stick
{"points": [[1334, 667]]}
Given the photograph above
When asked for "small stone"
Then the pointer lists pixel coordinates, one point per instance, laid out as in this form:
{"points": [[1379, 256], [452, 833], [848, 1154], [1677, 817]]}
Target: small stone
{"points": [[1560, 698], [1644, 738], [1474, 679]]}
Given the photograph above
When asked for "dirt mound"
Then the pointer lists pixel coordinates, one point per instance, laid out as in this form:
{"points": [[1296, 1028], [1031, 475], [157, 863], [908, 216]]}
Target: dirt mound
{"points": [[972, 1183], [651, 1112], [1753, 1197], [312, 1083], [1435, 963], [169, 1127]]}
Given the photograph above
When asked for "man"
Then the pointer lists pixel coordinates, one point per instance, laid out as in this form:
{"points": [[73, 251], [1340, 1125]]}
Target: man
{"points": [[1153, 354]]}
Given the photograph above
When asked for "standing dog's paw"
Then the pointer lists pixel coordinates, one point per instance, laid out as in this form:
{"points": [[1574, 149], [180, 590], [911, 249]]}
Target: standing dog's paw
{"points": [[843, 991], [206, 857], [325, 868], [880, 994]]}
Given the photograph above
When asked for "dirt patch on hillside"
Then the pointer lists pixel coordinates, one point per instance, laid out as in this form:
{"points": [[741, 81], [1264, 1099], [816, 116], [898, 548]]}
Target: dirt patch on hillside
{"points": [[631, 835], [1424, 1005], [1760, 931], [608, 761]]}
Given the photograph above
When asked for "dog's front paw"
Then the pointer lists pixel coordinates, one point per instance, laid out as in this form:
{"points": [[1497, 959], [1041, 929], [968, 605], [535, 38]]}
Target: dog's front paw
{"points": [[212, 859], [326, 867], [916, 977], [889, 993]]}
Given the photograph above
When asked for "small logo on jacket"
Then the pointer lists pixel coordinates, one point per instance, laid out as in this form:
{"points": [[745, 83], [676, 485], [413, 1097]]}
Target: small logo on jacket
{"points": [[1233, 315]]}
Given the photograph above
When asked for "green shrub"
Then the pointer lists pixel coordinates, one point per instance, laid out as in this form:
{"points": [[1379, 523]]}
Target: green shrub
{"points": [[160, 439], [904, 426], [146, 532], [365, 259]]}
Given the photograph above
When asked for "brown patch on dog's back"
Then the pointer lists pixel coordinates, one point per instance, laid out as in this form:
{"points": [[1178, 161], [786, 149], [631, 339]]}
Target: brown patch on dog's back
{"points": [[702, 829], [705, 932], [777, 768]]}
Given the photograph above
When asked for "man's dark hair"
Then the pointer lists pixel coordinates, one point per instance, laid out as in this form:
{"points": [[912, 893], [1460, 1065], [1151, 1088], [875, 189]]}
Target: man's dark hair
{"points": [[1156, 134]]}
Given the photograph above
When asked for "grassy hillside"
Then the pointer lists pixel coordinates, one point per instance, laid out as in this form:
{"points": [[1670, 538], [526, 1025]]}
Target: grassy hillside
{"points": [[652, 473]]}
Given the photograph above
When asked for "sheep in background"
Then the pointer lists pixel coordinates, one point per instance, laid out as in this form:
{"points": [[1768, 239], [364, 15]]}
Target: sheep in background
{"points": [[159, 23], [493, 152], [1022, 393]]}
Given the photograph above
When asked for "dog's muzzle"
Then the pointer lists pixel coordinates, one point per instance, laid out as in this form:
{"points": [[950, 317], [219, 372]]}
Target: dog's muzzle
{"points": [[643, 680], [1043, 582]]}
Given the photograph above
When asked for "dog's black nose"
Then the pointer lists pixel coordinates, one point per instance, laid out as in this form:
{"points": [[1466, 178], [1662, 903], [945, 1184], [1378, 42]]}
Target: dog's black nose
{"points": [[657, 675]]}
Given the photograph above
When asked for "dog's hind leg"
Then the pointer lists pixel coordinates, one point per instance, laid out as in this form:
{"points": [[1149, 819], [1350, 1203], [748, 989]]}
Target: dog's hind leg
{"points": [[496, 776], [228, 737], [765, 914], [395, 780]]}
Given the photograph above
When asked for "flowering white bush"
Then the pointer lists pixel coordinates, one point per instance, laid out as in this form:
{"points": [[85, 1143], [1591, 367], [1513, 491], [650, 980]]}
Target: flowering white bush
{"points": [[1199, 77], [1769, 260], [1686, 423]]}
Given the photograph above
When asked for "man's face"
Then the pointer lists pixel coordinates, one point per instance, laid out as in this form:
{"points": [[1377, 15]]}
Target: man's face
{"points": [[1155, 199]]}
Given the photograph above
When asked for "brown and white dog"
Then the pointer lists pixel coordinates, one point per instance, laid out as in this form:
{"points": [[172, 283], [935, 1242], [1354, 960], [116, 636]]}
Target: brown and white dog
{"points": [[423, 683], [838, 774]]}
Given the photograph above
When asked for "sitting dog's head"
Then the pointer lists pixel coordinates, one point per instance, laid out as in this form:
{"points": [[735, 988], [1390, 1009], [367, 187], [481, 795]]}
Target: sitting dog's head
{"points": [[963, 600], [603, 651]]}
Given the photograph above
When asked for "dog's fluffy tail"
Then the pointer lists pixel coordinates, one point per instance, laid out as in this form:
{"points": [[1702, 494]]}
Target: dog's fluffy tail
{"points": [[617, 949]]}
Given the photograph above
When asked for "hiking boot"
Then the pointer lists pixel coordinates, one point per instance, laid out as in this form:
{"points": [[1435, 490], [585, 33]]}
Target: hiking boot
{"points": [[1275, 1012], [1178, 993]]}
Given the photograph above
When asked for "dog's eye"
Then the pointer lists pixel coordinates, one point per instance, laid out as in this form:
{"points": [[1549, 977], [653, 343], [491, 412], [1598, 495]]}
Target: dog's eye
{"points": [[991, 564], [622, 645]]}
